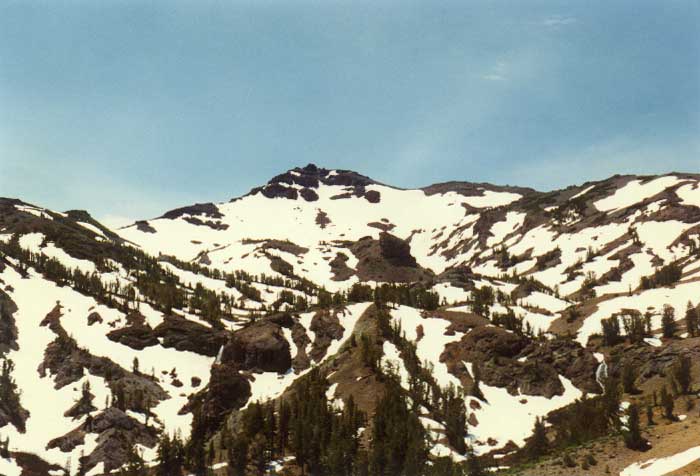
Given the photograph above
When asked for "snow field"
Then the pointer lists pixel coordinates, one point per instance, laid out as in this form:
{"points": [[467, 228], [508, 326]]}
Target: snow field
{"points": [[431, 346], [650, 299], [634, 192], [504, 418], [661, 466]]}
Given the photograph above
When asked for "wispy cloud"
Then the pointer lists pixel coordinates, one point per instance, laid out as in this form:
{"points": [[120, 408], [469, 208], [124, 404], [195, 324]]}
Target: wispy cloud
{"points": [[497, 73], [557, 21]]}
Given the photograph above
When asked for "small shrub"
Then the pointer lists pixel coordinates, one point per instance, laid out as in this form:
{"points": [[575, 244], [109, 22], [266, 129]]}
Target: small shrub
{"points": [[568, 461], [591, 460]]}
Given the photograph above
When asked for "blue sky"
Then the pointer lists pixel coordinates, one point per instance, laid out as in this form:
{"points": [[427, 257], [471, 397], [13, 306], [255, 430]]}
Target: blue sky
{"points": [[130, 108]]}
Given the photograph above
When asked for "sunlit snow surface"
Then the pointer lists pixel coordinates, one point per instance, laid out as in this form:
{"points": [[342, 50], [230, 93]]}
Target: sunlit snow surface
{"points": [[634, 192], [433, 342], [689, 194], [505, 417], [649, 300], [661, 466], [256, 217], [9, 468]]}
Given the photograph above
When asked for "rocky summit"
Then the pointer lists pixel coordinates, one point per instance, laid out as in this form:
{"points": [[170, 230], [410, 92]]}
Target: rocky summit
{"points": [[328, 324]]}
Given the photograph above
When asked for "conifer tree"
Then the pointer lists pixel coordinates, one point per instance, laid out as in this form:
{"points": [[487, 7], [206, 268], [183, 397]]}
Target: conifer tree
{"points": [[134, 466], [681, 373], [455, 415], [650, 415], [611, 331], [538, 444], [170, 455], [628, 378], [10, 394], [667, 403], [283, 425], [238, 456], [474, 467], [476, 379], [398, 438], [633, 433], [692, 319], [668, 322]]}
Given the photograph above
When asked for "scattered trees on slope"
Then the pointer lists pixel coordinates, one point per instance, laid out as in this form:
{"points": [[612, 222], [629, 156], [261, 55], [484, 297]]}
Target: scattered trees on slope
{"points": [[10, 406], [664, 276]]}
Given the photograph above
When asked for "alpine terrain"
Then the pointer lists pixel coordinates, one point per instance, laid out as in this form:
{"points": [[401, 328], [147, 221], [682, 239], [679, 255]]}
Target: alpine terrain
{"points": [[326, 324]]}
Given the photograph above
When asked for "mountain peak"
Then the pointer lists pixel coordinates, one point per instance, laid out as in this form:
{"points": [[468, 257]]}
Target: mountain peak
{"points": [[304, 181]]}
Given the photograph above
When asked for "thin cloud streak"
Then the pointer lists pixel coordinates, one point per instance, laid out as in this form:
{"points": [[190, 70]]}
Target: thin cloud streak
{"points": [[559, 21]]}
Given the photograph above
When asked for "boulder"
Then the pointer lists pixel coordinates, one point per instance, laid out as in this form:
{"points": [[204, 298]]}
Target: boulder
{"points": [[138, 336], [326, 327], [260, 347], [183, 334]]}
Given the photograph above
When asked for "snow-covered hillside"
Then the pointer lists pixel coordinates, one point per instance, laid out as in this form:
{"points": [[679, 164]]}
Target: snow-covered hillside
{"points": [[603, 236], [183, 322]]}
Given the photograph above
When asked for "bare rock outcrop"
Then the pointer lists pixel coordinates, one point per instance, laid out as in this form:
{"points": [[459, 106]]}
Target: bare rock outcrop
{"points": [[183, 334], [514, 362], [387, 259], [118, 432], [260, 347]]}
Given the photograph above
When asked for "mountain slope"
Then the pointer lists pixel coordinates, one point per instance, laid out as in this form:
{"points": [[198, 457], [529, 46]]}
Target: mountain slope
{"points": [[469, 301]]}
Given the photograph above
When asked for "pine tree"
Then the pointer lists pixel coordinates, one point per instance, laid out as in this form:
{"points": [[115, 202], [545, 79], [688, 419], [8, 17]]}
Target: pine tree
{"points": [[270, 429], [611, 402], [668, 322], [647, 322], [238, 456], [692, 319], [257, 452], [681, 373], [634, 328], [473, 465], [628, 378], [283, 425], [650, 415], [170, 455], [194, 451], [633, 433], [398, 438], [476, 379], [538, 445], [81, 464], [611, 331], [454, 411], [10, 394], [134, 466], [667, 403], [118, 397]]}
